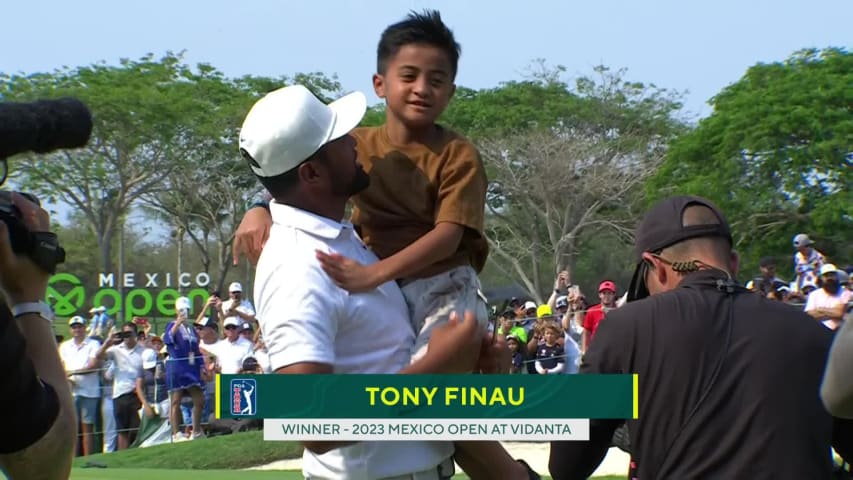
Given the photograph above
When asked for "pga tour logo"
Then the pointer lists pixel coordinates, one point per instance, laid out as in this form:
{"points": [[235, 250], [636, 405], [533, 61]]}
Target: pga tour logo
{"points": [[243, 397]]}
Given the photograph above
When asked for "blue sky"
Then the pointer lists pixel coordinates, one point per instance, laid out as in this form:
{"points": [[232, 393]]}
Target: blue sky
{"points": [[685, 46]]}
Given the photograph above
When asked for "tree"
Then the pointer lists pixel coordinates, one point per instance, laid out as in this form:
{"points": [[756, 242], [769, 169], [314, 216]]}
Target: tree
{"points": [[146, 114], [563, 163], [210, 189], [775, 154]]}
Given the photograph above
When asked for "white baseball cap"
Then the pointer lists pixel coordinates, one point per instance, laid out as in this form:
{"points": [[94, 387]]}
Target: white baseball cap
{"points": [[76, 319], [529, 306], [183, 303], [235, 287], [801, 240], [828, 268], [288, 125], [231, 321], [149, 358]]}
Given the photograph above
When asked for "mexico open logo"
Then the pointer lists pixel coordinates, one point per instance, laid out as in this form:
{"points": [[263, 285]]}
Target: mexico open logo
{"points": [[67, 304], [67, 295], [243, 397]]}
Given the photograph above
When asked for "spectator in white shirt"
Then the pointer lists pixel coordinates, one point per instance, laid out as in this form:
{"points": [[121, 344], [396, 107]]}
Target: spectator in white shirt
{"points": [[79, 356], [236, 306], [829, 303], [126, 353], [231, 350]]}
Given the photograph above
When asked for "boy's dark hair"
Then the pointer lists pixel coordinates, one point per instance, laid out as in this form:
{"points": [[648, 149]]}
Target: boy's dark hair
{"points": [[417, 28]]}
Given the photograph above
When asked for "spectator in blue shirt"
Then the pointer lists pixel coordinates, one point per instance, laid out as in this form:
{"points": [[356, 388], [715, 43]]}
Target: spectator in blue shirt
{"points": [[183, 370]]}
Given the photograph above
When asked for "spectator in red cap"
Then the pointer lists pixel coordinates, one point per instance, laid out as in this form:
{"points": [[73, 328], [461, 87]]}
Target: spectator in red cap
{"points": [[607, 295]]}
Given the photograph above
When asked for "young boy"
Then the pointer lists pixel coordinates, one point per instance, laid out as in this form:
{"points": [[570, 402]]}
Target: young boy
{"points": [[549, 356], [423, 212]]}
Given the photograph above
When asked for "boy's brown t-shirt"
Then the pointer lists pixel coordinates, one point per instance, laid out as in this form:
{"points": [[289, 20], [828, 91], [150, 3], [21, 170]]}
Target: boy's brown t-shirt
{"points": [[413, 188]]}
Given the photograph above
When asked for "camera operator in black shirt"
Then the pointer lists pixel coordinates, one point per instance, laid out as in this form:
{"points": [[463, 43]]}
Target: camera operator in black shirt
{"points": [[36, 410], [728, 380]]}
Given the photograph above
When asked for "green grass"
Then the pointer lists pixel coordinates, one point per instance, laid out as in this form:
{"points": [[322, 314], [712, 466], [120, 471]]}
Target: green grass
{"points": [[162, 474], [240, 450], [146, 474], [217, 456]]}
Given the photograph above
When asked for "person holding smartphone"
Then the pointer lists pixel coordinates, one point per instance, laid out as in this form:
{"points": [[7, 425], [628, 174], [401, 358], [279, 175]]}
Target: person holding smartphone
{"points": [[126, 353], [183, 370]]}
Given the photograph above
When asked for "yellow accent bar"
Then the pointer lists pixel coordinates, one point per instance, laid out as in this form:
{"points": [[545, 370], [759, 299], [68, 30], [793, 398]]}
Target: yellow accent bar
{"points": [[218, 397], [636, 395]]}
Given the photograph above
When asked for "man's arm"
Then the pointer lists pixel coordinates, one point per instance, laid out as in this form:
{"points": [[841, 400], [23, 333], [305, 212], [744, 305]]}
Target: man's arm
{"points": [[837, 388], [246, 312], [438, 244], [38, 406], [577, 459], [832, 313]]}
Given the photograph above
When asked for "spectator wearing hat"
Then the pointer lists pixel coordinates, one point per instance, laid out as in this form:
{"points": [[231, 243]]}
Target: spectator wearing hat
{"points": [[828, 304], [100, 323], [151, 385], [728, 380], [79, 357], [183, 370], [247, 331], [232, 349], [207, 331], [237, 307], [807, 260], [126, 354], [596, 313]]}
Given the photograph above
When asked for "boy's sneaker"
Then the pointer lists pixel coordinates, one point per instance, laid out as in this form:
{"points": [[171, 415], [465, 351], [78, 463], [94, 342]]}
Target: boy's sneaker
{"points": [[179, 437], [530, 472], [196, 436]]}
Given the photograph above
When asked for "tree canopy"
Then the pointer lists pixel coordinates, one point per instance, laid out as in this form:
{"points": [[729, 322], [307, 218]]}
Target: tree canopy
{"points": [[775, 154]]}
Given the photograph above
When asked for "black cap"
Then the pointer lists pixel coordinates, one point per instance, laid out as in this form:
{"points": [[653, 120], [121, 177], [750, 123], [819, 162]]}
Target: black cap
{"points": [[208, 322], [250, 363], [663, 226], [508, 313]]}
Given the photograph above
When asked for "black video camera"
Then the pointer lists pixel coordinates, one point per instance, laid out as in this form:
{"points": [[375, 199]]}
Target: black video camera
{"points": [[41, 127]]}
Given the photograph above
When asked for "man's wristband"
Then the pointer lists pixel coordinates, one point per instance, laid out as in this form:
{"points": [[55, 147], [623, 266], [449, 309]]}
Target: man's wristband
{"points": [[39, 308], [262, 203]]}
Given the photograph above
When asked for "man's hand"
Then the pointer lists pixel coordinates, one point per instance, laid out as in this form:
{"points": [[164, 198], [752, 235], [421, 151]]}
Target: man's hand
{"points": [[149, 410], [495, 357], [455, 346], [21, 280], [252, 235], [349, 274], [562, 280]]}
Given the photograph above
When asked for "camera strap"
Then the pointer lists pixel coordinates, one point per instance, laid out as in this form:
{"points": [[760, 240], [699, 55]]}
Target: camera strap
{"points": [[730, 288]]}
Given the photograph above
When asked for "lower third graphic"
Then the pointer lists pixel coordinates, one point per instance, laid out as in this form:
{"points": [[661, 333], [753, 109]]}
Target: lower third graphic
{"points": [[243, 397]]}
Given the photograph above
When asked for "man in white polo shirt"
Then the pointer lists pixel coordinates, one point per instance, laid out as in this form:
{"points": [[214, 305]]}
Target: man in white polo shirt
{"points": [[301, 151], [236, 306], [231, 350], [126, 353], [79, 357]]}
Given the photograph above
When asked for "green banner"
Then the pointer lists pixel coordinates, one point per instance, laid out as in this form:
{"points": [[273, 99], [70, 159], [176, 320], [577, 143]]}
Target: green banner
{"points": [[426, 396]]}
